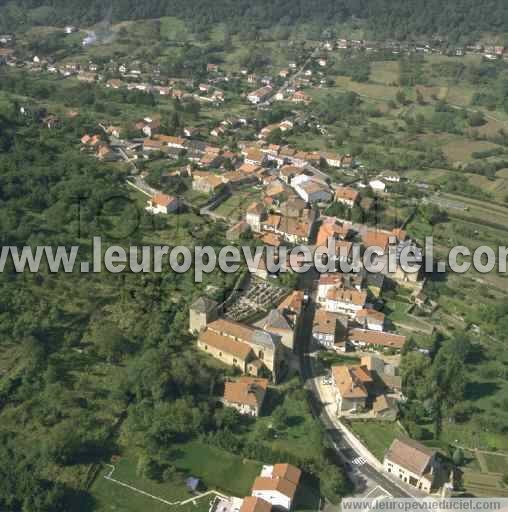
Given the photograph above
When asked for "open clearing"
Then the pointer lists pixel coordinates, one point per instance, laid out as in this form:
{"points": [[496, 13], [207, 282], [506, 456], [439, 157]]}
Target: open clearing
{"points": [[216, 468], [385, 72], [372, 91], [461, 150], [377, 435]]}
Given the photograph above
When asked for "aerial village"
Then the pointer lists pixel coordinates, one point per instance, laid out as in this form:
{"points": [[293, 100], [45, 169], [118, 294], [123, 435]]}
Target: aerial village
{"points": [[263, 329]]}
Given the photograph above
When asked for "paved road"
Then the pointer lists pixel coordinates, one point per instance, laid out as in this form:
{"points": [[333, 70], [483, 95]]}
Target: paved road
{"points": [[363, 475], [288, 82]]}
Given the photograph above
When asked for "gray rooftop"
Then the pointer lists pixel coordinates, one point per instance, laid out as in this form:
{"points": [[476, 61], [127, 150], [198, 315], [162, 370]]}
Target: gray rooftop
{"points": [[204, 305], [276, 320]]}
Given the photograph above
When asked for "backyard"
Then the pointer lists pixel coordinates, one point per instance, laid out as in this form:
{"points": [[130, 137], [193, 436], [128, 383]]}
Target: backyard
{"points": [[377, 435], [216, 468]]}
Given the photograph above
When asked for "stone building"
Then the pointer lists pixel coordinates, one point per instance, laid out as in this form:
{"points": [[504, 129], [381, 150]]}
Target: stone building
{"points": [[254, 351], [201, 313]]}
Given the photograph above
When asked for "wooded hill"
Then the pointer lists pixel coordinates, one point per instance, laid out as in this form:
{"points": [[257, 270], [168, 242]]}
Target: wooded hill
{"points": [[384, 18]]}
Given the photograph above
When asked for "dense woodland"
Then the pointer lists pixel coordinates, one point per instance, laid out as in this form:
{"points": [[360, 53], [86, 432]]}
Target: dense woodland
{"points": [[385, 18]]}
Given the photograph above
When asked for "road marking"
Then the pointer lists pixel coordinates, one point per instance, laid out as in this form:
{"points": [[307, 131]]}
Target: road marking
{"points": [[371, 491], [359, 461], [385, 494]]}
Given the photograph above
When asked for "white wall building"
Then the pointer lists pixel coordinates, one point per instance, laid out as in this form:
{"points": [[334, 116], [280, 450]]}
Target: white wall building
{"points": [[411, 462], [377, 185], [277, 485], [162, 203]]}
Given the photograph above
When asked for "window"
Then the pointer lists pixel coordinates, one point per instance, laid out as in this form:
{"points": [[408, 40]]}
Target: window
{"points": [[261, 355]]}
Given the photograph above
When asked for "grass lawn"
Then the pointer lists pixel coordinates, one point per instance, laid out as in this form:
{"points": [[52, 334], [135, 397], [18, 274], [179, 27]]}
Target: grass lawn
{"points": [[498, 187], [179, 226], [377, 435], [330, 359], [479, 210], [234, 207], [385, 72], [497, 463], [174, 29], [112, 497], [484, 484], [462, 149], [483, 474], [369, 90], [218, 469]]}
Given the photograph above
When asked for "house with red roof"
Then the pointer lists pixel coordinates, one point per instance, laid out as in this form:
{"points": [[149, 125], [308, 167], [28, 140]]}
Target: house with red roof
{"points": [[162, 203]]}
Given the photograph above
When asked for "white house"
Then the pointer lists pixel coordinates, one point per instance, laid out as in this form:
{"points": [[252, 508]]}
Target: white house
{"points": [[391, 176], [346, 301], [172, 142], [254, 216], [411, 462], [162, 203], [351, 385], [365, 338], [277, 485], [310, 189], [371, 319], [326, 326], [260, 95], [246, 395], [346, 195], [377, 185]]}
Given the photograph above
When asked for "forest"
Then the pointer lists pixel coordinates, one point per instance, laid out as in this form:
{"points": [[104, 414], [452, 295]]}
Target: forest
{"points": [[399, 19]]}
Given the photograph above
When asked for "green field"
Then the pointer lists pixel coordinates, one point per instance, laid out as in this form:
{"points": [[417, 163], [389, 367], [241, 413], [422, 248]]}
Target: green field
{"points": [[235, 206], [484, 484], [385, 72], [217, 470], [497, 463], [329, 359], [376, 435]]}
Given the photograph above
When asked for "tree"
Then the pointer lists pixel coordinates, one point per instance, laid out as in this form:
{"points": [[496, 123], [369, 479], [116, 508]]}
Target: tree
{"points": [[414, 370], [275, 136], [401, 97], [280, 418], [149, 468], [458, 457], [433, 214], [169, 474], [448, 370], [333, 483], [111, 343], [174, 124], [476, 119]]}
